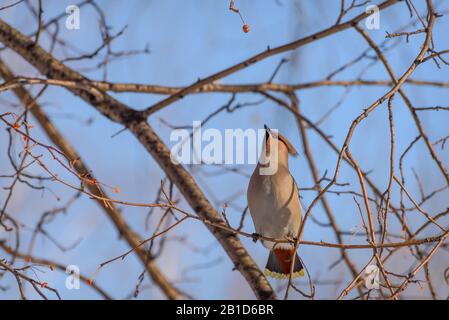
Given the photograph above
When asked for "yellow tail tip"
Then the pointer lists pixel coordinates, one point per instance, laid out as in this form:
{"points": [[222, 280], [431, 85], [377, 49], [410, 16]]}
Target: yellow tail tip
{"points": [[276, 275]]}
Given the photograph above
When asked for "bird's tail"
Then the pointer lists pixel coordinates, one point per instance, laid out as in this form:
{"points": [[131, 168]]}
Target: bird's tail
{"points": [[279, 263]]}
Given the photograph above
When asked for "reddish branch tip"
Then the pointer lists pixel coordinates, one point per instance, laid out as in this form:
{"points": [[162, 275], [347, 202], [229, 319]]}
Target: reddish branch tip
{"points": [[91, 181], [246, 28]]}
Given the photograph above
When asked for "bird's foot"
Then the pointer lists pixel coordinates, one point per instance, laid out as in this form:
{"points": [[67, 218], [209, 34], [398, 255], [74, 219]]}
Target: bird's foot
{"points": [[256, 237]]}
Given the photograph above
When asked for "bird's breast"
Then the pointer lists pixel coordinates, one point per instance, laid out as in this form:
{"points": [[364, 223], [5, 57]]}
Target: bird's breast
{"points": [[267, 185]]}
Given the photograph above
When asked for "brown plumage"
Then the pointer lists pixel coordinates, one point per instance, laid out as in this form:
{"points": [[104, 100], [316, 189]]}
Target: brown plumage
{"points": [[273, 201]]}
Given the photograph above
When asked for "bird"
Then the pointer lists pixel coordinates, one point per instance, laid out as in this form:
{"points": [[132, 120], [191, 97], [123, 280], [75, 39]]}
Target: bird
{"points": [[274, 205]]}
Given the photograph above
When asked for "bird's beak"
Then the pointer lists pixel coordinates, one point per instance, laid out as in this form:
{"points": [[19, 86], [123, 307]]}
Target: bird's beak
{"points": [[266, 128]]}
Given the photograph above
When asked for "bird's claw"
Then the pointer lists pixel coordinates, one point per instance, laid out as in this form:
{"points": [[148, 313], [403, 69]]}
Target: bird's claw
{"points": [[256, 237]]}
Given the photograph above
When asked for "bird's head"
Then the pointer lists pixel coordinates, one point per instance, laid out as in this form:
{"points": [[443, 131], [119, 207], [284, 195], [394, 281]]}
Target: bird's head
{"points": [[284, 146]]}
